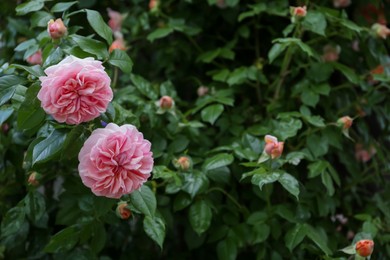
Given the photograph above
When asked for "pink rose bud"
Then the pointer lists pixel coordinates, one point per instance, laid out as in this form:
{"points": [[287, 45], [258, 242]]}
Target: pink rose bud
{"points": [[183, 163], [56, 29], [122, 210], [115, 21], [381, 30], [272, 147], [153, 4], [118, 44], [331, 53], [364, 247], [362, 154], [36, 58], [166, 102], [33, 179], [341, 3], [345, 122], [115, 160], [75, 90], [299, 11], [202, 90]]}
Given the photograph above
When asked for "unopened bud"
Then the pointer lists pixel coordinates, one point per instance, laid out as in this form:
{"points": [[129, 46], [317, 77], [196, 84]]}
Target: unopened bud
{"points": [[345, 122], [183, 163], [381, 30], [118, 44], [272, 147], [122, 210], [299, 11], [166, 102], [33, 179], [202, 90], [153, 5], [56, 29], [35, 59], [364, 247]]}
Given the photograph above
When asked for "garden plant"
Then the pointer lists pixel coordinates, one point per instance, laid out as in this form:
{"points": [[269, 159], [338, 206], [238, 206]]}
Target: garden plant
{"points": [[195, 129]]}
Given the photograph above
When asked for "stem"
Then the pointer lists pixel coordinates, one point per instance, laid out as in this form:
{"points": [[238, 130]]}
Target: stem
{"points": [[229, 196], [115, 77], [282, 74]]}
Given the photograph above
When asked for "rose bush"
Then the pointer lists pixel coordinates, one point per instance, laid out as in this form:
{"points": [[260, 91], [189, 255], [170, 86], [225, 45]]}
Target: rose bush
{"points": [[220, 129]]}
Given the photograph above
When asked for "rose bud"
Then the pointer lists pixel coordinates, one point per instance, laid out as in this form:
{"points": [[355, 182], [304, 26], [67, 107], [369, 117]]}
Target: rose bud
{"points": [[56, 29], [272, 147], [5, 128], [331, 53], [202, 90], [183, 163], [364, 247], [33, 179], [381, 30], [115, 21], [118, 44], [35, 59], [299, 11], [345, 122], [122, 210], [153, 5], [166, 102], [341, 3]]}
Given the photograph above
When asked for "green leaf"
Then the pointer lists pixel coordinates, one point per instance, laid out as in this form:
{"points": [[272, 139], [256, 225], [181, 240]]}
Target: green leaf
{"points": [[315, 120], [35, 206], [288, 127], [61, 7], [100, 27], [275, 51], [63, 241], [5, 113], [120, 59], [227, 249], [211, 113], [289, 183], [294, 236], [200, 216], [8, 87], [35, 70], [40, 19], [179, 144], [12, 221], [49, 147], [265, 178], [181, 201], [73, 142], [31, 6], [144, 201], [99, 237], [318, 237], [194, 183], [30, 114], [159, 33], [317, 145], [315, 22], [91, 46], [328, 183], [143, 86], [350, 250], [260, 233], [155, 229], [219, 160], [348, 72], [316, 168], [256, 9]]}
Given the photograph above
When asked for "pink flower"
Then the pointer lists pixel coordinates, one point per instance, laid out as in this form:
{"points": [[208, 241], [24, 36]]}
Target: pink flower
{"points": [[364, 247], [202, 90], [56, 29], [36, 58], [153, 4], [272, 147], [183, 163], [299, 11], [115, 160], [75, 90], [122, 210], [362, 154], [331, 53], [115, 21], [33, 179], [341, 3], [381, 30], [118, 44], [166, 102], [345, 122]]}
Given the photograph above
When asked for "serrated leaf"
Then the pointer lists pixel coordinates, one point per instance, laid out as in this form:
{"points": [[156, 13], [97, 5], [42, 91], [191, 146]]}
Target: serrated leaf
{"points": [[99, 26], [219, 160], [63, 241], [49, 147], [200, 216], [144, 200], [120, 59], [155, 229], [211, 113]]}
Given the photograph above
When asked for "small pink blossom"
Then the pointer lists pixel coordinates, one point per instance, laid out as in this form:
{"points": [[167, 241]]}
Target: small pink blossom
{"points": [[56, 29], [341, 3], [331, 53], [33, 179], [153, 4], [381, 30], [75, 90], [202, 90], [36, 58], [362, 154], [118, 44], [364, 247], [299, 11], [115, 21], [122, 210], [166, 102], [345, 122], [115, 160], [183, 163], [272, 147]]}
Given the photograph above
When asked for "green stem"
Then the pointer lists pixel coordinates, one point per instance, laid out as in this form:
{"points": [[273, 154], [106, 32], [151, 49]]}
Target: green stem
{"points": [[115, 77], [243, 209]]}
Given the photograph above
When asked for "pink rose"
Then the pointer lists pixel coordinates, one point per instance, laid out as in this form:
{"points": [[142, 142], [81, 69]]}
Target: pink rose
{"points": [[115, 21], [380, 30], [272, 147], [36, 58], [115, 160], [75, 90], [56, 29], [299, 11]]}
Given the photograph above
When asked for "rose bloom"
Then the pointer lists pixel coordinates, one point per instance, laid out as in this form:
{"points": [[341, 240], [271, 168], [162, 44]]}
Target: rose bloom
{"points": [[341, 3], [299, 11], [118, 44], [115, 160], [115, 21], [272, 147], [75, 90], [381, 30], [36, 58], [122, 210], [364, 247], [56, 29]]}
